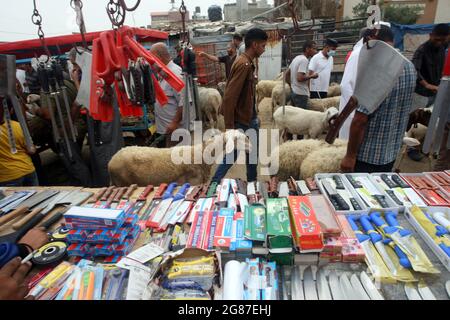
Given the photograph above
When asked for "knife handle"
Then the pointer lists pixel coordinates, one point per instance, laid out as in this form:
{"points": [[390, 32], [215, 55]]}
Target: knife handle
{"points": [[361, 237], [381, 200], [181, 193], [355, 204], [402, 258], [130, 191], [192, 196], [391, 194], [379, 222], [12, 215], [118, 194], [355, 184], [159, 193], [368, 228], [343, 205], [399, 181], [28, 226], [204, 191], [169, 191], [337, 180], [391, 218], [143, 196], [388, 181], [55, 218], [21, 223], [107, 193], [98, 195]]}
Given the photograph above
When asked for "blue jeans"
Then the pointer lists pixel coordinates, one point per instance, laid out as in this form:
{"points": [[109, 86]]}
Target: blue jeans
{"points": [[252, 172], [29, 180]]}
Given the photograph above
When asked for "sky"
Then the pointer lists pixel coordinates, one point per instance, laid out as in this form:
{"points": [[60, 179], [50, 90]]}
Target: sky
{"points": [[59, 18]]}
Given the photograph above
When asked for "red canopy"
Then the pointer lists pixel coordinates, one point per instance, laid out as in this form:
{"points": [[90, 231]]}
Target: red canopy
{"points": [[61, 44]]}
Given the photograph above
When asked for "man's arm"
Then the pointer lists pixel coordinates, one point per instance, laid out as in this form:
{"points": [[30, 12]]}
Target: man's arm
{"points": [[357, 131], [176, 121], [417, 60], [209, 57], [235, 83]]}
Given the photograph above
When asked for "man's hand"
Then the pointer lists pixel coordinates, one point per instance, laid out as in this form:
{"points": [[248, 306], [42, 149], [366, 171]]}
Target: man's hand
{"points": [[171, 128], [432, 87], [314, 76], [12, 276], [35, 238], [201, 54], [348, 164]]}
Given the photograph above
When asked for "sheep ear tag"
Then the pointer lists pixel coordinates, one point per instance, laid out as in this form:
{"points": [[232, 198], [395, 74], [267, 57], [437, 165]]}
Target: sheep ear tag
{"points": [[379, 68]]}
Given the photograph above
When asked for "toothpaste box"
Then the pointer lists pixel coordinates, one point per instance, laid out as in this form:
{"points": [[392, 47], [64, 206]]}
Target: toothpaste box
{"points": [[239, 243], [93, 218], [305, 227], [332, 245], [224, 228], [279, 233], [255, 222]]}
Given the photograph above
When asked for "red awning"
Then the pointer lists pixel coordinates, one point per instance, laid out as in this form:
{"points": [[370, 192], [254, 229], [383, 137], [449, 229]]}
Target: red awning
{"points": [[61, 44]]}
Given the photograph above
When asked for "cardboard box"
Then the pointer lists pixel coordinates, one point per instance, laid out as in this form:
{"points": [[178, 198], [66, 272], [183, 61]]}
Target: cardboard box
{"points": [[224, 228], [326, 217], [352, 250], [305, 227], [255, 222], [93, 218], [239, 243], [332, 245]]}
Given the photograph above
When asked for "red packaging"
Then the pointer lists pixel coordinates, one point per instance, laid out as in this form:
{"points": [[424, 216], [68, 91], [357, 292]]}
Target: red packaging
{"points": [[352, 250], [332, 245], [331, 257], [306, 229]]}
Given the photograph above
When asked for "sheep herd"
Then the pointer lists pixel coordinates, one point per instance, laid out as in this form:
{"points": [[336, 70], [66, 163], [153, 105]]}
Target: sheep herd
{"points": [[298, 158]]}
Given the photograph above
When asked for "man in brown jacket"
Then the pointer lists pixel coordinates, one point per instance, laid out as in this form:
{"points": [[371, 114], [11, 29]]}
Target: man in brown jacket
{"points": [[239, 104]]}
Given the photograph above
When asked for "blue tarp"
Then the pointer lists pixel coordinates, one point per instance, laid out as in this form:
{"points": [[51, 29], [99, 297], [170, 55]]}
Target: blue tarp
{"points": [[400, 30]]}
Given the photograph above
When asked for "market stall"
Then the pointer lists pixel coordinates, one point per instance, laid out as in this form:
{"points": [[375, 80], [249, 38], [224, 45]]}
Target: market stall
{"points": [[340, 237]]}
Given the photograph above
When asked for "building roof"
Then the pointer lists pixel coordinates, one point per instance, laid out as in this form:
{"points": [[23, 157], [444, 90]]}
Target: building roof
{"points": [[159, 13]]}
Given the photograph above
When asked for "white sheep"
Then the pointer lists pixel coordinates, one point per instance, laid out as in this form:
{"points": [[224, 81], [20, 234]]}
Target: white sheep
{"points": [[265, 105], [146, 165], [209, 102], [334, 90], [324, 104], [303, 122], [264, 89], [277, 95], [291, 154], [326, 159]]}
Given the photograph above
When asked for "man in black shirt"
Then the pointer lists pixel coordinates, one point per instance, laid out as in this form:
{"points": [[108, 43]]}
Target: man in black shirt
{"points": [[429, 61], [228, 60], [32, 80]]}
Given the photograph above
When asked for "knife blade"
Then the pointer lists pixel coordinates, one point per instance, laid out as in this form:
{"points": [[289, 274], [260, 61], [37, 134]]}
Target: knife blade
{"points": [[335, 287], [296, 285], [28, 204], [9, 202], [323, 289], [358, 288], [411, 292], [310, 285], [347, 289], [447, 287], [425, 291], [371, 290]]}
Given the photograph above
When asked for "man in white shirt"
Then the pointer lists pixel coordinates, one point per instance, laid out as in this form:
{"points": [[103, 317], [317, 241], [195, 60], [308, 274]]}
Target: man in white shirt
{"points": [[169, 116], [239, 44], [298, 75], [322, 64]]}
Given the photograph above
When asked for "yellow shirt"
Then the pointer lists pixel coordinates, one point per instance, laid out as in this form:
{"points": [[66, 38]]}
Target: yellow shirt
{"points": [[13, 166]]}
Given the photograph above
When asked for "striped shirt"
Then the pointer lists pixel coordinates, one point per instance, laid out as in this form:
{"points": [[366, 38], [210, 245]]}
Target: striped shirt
{"points": [[386, 127]]}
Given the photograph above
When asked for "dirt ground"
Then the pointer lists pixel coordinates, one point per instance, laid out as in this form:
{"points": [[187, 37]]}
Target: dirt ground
{"points": [[57, 175]]}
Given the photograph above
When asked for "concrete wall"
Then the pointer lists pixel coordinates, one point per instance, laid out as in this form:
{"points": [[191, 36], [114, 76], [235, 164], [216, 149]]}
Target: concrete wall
{"points": [[442, 12]]}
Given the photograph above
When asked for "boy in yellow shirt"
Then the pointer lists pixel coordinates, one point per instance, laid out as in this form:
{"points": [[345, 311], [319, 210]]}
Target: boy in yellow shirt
{"points": [[15, 169]]}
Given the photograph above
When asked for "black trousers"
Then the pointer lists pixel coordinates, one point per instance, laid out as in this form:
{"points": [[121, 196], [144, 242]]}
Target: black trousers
{"points": [[364, 167], [318, 94]]}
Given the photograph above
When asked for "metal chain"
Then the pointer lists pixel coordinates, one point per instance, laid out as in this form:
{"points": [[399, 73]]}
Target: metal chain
{"points": [[77, 5], [117, 9], [183, 11], [36, 19]]}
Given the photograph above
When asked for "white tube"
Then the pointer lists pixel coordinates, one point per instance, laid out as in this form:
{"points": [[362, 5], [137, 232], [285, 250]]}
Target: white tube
{"points": [[233, 284]]}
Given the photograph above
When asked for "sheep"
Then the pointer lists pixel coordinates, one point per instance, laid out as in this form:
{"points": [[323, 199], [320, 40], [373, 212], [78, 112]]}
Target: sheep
{"points": [[324, 104], [145, 165], [334, 90], [279, 77], [418, 133], [291, 154], [303, 122], [323, 160], [209, 101], [264, 89], [277, 95], [265, 105], [221, 88]]}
